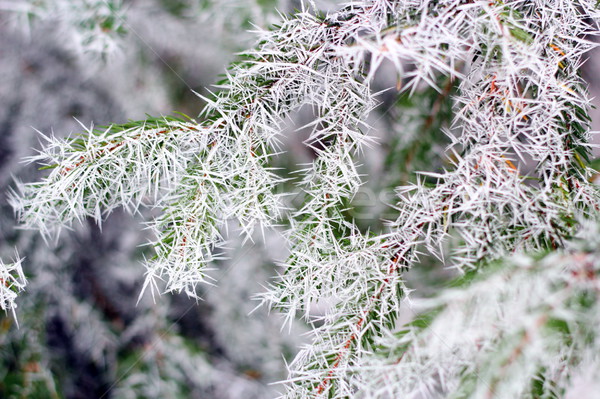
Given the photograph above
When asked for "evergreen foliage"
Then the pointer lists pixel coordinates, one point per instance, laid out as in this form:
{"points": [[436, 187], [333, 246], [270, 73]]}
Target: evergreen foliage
{"points": [[490, 161]]}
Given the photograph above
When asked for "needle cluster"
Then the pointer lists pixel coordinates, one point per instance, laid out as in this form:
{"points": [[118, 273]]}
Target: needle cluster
{"points": [[515, 180]]}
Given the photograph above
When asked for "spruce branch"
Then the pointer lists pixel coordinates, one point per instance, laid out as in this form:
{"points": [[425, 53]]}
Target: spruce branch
{"points": [[12, 283], [91, 175], [519, 100], [516, 329]]}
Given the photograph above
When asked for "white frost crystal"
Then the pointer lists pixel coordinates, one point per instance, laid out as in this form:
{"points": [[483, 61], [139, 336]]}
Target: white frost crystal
{"points": [[12, 282]]}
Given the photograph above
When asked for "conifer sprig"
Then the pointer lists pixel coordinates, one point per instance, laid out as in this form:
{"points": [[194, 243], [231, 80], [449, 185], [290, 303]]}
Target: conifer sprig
{"points": [[12, 283], [516, 329], [516, 178]]}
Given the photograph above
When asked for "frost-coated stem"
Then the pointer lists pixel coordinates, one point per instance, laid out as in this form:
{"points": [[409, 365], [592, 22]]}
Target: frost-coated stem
{"points": [[516, 176]]}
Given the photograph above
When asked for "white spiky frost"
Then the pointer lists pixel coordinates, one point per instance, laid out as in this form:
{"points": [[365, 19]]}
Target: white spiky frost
{"points": [[12, 282], [524, 321], [519, 100]]}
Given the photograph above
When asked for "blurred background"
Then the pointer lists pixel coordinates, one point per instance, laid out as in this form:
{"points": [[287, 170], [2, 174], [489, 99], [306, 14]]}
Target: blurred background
{"points": [[81, 334], [64, 64]]}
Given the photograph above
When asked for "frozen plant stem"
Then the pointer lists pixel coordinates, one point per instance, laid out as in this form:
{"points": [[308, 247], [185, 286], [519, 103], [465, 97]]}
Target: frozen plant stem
{"points": [[519, 98]]}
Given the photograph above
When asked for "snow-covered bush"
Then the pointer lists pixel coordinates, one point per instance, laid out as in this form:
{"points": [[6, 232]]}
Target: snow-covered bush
{"points": [[488, 148]]}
